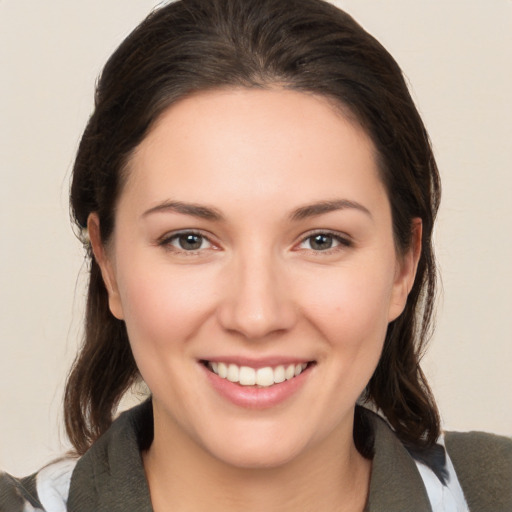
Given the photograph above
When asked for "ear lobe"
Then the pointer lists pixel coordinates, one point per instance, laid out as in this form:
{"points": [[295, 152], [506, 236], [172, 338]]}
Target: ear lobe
{"points": [[406, 272], [105, 264]]}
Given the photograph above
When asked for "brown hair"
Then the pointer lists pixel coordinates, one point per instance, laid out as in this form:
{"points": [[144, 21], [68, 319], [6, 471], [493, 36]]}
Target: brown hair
{"points": [[304, 45]]}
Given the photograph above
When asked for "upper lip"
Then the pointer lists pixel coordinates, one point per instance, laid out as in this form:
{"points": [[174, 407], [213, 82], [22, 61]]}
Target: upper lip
{"points": [[256, 363]]}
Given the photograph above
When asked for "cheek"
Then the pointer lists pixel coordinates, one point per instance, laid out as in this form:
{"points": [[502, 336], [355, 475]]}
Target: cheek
{"points": [[164, 306], [352, 306]]}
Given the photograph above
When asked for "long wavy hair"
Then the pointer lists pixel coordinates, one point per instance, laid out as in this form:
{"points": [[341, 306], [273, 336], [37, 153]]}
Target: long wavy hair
{"points": [[302, 45]]}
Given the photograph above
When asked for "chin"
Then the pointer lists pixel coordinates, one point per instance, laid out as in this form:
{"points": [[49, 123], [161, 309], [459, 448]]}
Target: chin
{"points": [[254, 459], [257, 449]]}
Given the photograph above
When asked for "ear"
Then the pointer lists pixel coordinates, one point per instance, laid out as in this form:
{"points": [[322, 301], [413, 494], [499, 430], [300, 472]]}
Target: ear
{"points": [[407, 265], [103, 259]]}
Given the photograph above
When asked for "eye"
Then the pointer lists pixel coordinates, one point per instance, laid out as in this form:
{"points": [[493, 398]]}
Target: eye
{"points": [[186, 241], [323, 241]]}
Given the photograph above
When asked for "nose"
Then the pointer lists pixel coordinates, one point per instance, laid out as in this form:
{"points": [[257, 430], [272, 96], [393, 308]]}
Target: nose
{"points": [[256, 301]]}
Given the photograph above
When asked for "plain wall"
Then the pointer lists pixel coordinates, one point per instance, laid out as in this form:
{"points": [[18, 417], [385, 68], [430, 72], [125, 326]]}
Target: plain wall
{"points": [[458, 58]]}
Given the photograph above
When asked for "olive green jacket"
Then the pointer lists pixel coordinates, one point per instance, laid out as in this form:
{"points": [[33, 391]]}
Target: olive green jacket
{"points": [[110, 476]]}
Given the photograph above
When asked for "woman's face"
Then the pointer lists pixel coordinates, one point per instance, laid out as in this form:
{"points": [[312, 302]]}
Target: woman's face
{"points": [[253, 243]]}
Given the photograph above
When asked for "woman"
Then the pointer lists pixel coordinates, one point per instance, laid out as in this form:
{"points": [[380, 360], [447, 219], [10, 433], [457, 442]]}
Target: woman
{"points": [[257, 193]]}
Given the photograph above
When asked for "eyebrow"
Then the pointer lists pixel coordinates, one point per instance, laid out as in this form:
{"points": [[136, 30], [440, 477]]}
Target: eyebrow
{"points": [[196, 210], [323, 207], [210, 213]]}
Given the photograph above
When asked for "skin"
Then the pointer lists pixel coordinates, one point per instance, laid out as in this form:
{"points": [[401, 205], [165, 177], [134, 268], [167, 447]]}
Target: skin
{"points": [[256, 287]]}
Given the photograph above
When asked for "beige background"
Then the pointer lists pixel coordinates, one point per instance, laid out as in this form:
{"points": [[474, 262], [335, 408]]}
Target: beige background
{"points": [[458, 57]]}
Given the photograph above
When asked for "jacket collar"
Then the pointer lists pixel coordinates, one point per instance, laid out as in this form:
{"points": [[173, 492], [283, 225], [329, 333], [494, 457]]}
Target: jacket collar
{"points": [[396, 484], [110, 476]]}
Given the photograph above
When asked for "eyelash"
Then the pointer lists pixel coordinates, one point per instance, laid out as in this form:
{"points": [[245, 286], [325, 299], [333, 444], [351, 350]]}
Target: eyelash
{"points": [[344, 242], [166, 242]]}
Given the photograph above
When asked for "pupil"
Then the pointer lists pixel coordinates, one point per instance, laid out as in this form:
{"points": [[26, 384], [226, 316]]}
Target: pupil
{"points": [[321, 242], [190, 242]]}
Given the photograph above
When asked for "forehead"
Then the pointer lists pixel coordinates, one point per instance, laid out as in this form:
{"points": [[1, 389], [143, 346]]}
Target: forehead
{"points": [[253, 143]]}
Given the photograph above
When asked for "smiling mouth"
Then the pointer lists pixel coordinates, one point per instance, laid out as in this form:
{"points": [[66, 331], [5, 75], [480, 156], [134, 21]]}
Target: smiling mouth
{"points": [[260, 377]]}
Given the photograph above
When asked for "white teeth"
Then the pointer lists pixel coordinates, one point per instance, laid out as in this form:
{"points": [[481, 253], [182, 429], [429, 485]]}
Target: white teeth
{"points": [[222, 370], [279, 374], [247, 376], [264, 377], [289, 373], [233, 373]]}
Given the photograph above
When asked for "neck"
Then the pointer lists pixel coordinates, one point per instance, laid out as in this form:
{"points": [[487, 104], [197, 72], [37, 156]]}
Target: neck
{"points": [[319, 479]]}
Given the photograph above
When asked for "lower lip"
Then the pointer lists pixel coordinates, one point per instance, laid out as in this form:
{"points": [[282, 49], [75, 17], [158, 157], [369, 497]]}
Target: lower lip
{"points": [[252, 397]]}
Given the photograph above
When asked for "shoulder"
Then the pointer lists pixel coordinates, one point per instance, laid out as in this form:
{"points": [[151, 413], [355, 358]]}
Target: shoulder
{"points": [[47, 490], [473, 447], [483, 463], [463, 471]]}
